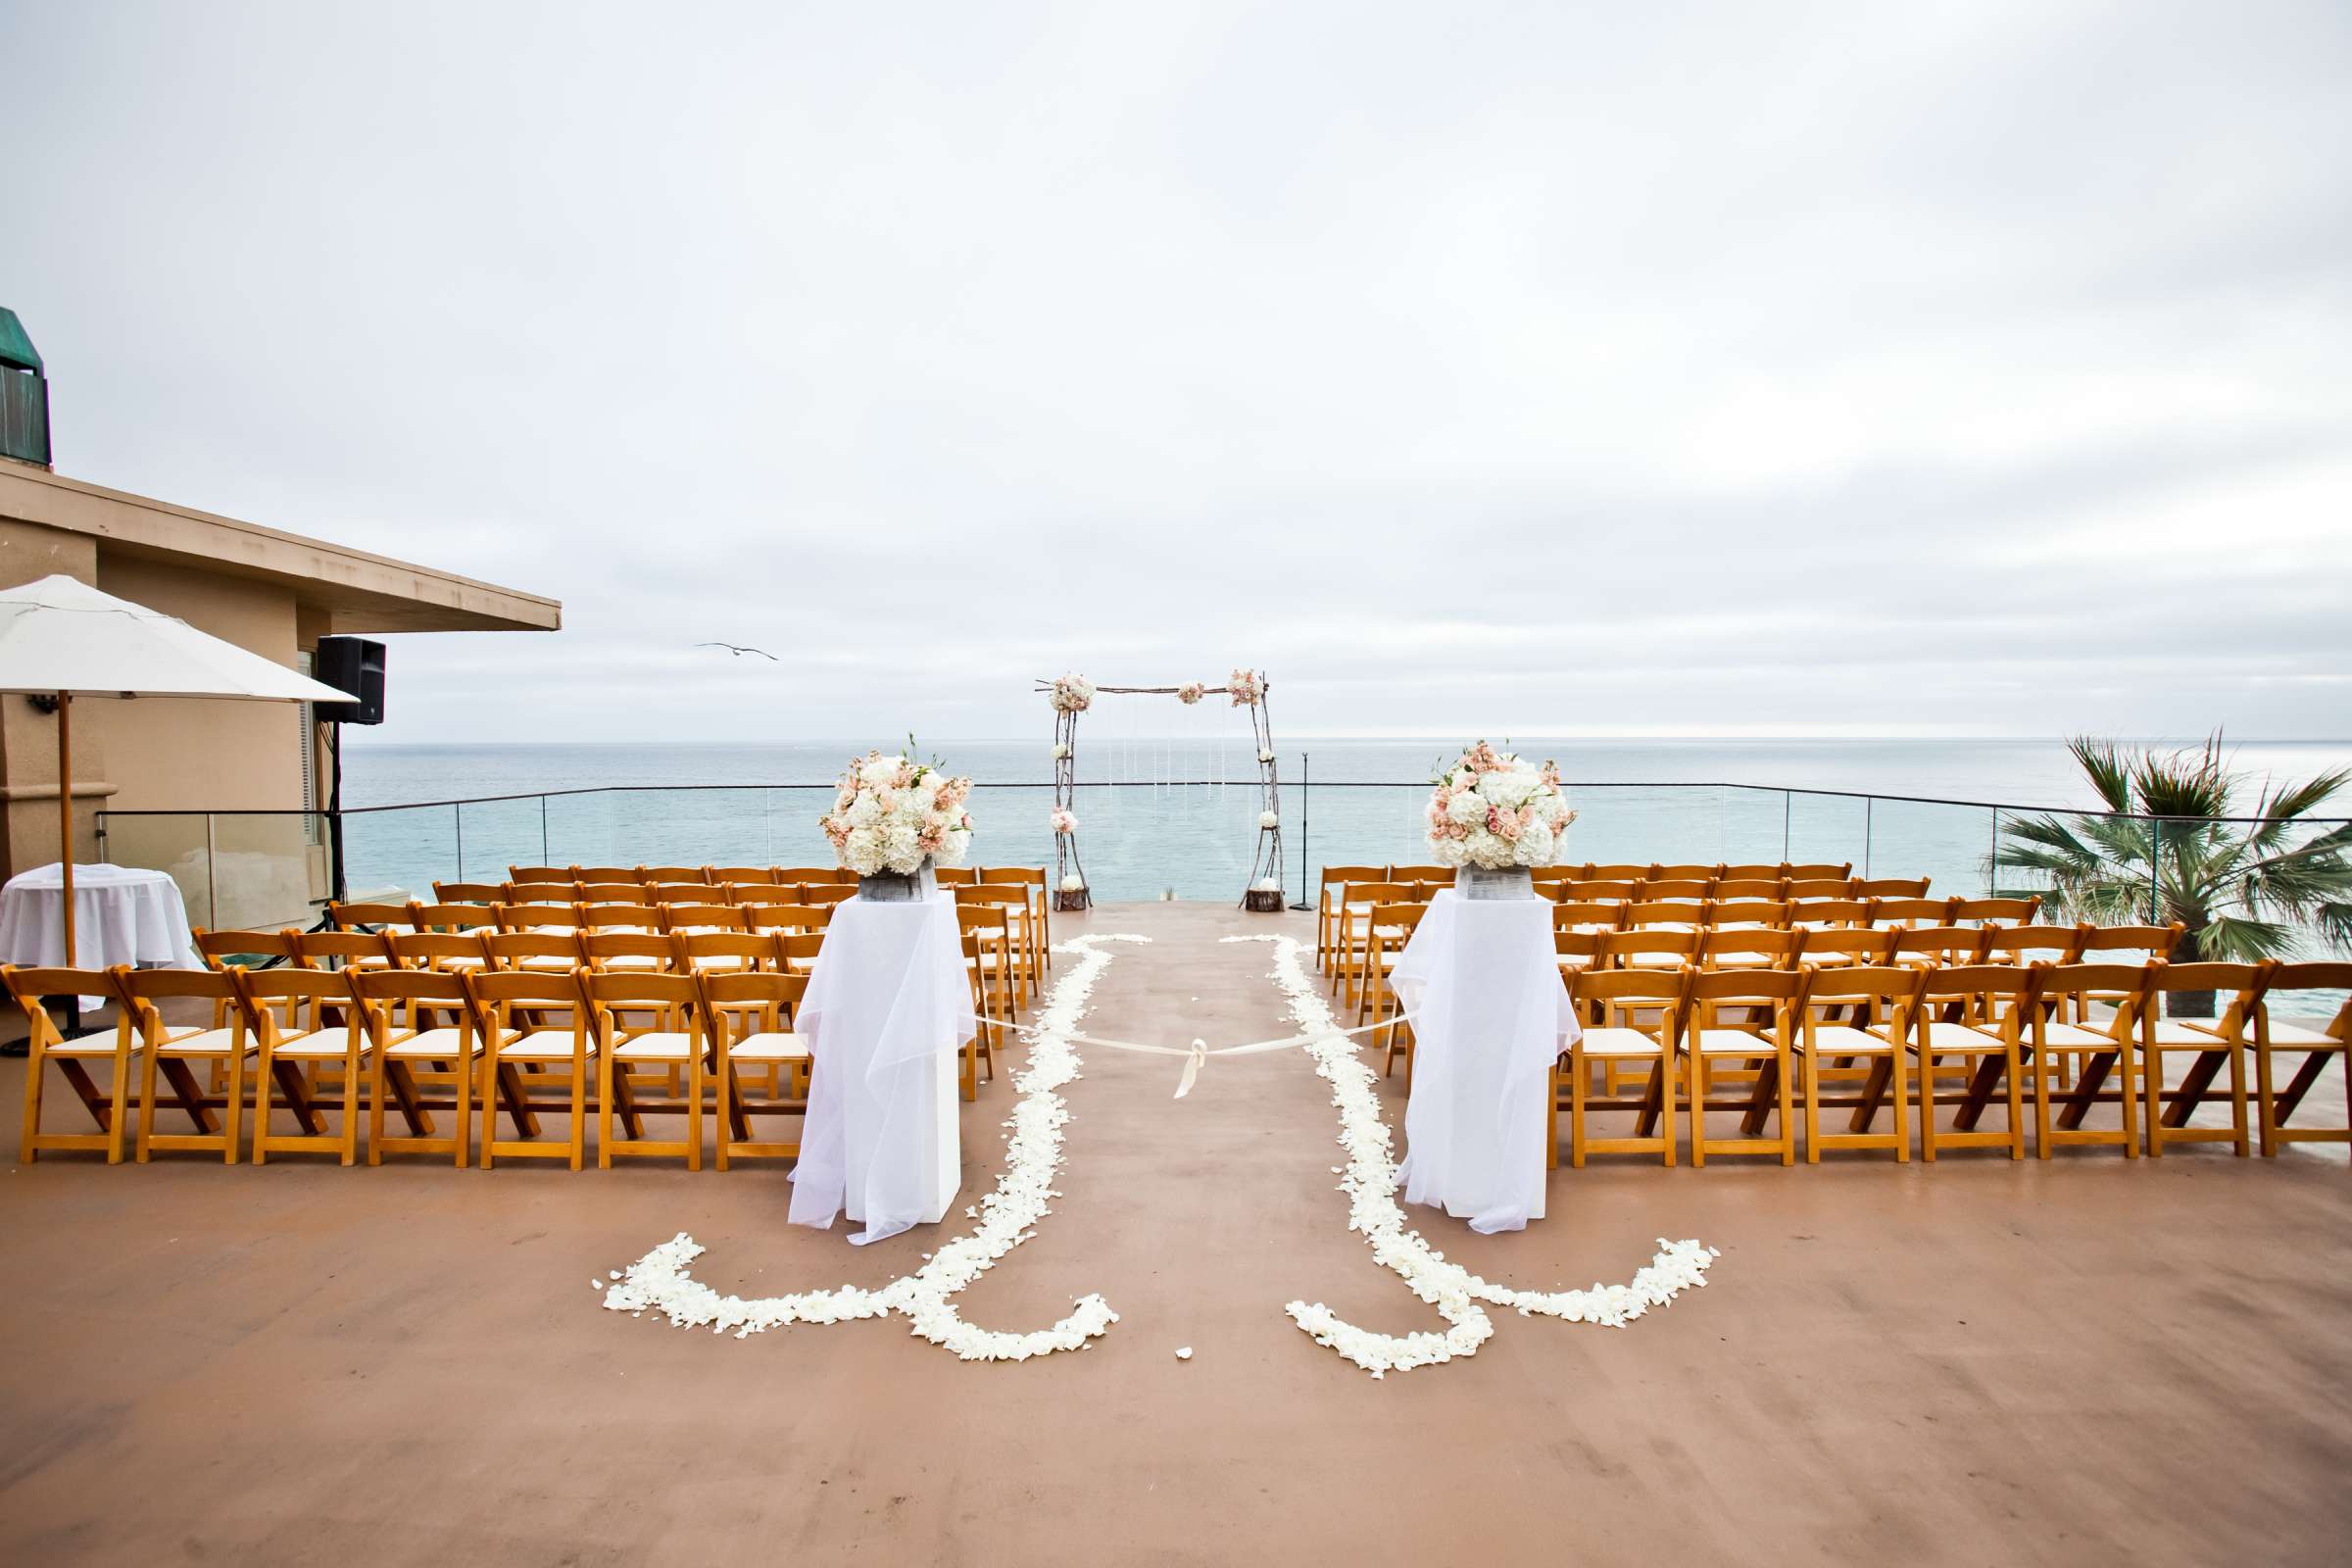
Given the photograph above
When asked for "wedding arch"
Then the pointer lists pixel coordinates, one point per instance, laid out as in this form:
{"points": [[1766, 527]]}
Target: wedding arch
{"points": [[1073, 695]]}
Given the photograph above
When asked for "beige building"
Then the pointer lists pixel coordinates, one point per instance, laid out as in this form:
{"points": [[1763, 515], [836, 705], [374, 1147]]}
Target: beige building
{"points": [[271, 592]]}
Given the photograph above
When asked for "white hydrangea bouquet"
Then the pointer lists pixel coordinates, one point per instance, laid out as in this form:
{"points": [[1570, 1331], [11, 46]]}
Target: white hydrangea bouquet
{"points": [[1496, 811], [892, 814]]}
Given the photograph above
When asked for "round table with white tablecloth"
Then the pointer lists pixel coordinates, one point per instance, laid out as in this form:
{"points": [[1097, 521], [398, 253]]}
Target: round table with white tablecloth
{"points": [[122, 916]]}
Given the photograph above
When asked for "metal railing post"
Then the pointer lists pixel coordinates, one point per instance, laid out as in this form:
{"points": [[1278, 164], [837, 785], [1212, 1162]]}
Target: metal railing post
{"points": [[212, 878], [1302, 789]]}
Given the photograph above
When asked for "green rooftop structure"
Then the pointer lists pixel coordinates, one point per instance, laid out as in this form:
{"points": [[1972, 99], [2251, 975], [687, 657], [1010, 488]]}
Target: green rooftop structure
{"points": [[24, 395]]}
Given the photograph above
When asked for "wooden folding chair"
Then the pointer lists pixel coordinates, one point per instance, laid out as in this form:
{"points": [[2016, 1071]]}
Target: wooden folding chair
{"points": [[223, 1046], [1437, 876], [2096, 1049], [988, 951], [1590, 871], [1812, 913], [623, 894], [2034, 944], [673, 1043], [2279, 1036], [1882, 1000], [405, 1055], [339, 1043], [1706, 1043], [1392, 926], [1995, 911], [1820, 870], [1587, 917], [955, 876], [750, 1016], [2137, 945], [537, 917], [1892, 886], [1749, 947], [743, 875], [119, 1047], [533, 952], [1015, 901], [1933, 945], [1604, 992], [723, 951], [1589, 890], [827, 893], [1574, 950], [1033, 879], [1844, 946], [1772, 871], [1331, 901], [392, 917], [1763, 914], [540, 873], [697, 874], [2212, 1043], [1355, 913], [658, 894], [456, 918], [788, 916], [1979, 1013], [1798, 889], [797, 951], [1916, 913], [343, 950], [1666, 915], [1740, 889], [1674, 889], [1685, 872], [695, 918], [605, 874], [811, 876], [482, 893], [628, 952], [510, 1008]]}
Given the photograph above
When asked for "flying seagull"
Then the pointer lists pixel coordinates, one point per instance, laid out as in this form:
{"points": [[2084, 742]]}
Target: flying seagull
{"points": [[738, 649]]}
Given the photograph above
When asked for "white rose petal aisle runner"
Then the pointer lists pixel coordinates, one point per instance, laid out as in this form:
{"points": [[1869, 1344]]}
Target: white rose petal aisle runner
{"points": [[1370, 1181], [659, 1282]]}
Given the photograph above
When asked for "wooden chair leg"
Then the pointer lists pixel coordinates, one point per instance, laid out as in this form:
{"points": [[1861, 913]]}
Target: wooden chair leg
{"points": [[604, 1070], [693, 1109], [2267, 1105], [2242, 1143], [119, 1103], [1812, 1108], [2151, 1083], [140, 1150], [351, 1111], [579, 1108]]}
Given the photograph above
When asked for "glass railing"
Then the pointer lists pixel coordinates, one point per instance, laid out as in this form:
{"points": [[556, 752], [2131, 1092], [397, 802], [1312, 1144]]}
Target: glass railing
{"points": [[1151, 839]]}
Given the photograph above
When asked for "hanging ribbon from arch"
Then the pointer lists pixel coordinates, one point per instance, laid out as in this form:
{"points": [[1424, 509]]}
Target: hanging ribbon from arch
{"points": [[1072, 695]]}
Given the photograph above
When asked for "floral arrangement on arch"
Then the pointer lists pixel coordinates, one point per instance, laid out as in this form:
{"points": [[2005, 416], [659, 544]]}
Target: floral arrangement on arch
{"points": [[1072, 694], [1495, 810], [1246, 687], [891, 813]]}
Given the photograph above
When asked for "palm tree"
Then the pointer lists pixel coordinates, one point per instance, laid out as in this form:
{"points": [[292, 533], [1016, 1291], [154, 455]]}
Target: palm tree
{"points": [[2176, 848]]}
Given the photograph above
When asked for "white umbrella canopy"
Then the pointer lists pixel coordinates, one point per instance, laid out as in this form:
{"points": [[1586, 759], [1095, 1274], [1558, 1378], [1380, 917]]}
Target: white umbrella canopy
{"points": [[61, 637]]}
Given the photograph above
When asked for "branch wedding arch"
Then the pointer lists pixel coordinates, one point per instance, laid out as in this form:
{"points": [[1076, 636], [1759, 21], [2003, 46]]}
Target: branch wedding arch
{"points": [[1073, 695]]}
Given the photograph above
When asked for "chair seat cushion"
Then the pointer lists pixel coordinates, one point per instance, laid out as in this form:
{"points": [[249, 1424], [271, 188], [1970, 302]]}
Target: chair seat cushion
{"points": [[205, 1043], [541, 1045], [1943, 1035], [2074, 1037], [435, 1043], [770, 1045], [658, 1047], [1732, 1042], [88, 1047], [2295, 1034], [634, 963], [1844, 1040], [1614, 1040], [317, 1045], [2177, 1035]]}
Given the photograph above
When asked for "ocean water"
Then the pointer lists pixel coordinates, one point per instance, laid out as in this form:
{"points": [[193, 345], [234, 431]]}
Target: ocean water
{"points": [[1178, 817]]}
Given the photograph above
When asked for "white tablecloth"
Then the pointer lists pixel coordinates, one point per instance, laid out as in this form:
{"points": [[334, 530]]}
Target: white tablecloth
{"points": [[1483, 979], [122, 914], [885, 1013]]}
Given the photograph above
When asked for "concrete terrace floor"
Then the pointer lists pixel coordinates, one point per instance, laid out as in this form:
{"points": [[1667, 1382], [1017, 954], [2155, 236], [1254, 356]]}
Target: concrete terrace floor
{"points": [[1979, 1362]]}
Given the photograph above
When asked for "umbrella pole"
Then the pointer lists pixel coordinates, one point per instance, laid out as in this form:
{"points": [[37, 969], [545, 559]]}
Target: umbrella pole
{"points": [[65, 812]]}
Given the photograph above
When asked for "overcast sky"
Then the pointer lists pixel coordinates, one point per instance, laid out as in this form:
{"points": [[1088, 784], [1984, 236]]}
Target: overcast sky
{"points": [[1682, 369]]}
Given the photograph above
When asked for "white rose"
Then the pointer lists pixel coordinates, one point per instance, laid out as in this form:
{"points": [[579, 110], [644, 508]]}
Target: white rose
{"points": [[1061, 751], [1267, 820], [1073, 883]]}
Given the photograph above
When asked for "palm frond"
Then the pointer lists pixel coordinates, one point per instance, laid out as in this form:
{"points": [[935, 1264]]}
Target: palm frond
{"points": [[2102, 762], [2281, 808], [2190, 784], [2233, 939]]}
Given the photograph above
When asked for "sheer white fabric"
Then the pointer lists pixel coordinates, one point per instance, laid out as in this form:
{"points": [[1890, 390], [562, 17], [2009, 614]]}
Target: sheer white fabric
{"points": [[1492, 1013], [886, 1010], [122, 914]]}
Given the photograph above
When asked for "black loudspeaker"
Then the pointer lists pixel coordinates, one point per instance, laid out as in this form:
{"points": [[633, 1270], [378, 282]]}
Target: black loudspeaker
{"points": [[356, 665]]}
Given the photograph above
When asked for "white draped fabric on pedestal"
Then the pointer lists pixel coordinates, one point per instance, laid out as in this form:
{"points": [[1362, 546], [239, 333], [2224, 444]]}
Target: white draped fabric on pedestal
{"points": [[885, 1014], [1490, 1015]]}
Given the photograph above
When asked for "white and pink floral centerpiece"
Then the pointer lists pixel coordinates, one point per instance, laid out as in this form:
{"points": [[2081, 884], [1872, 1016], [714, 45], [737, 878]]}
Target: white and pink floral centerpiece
{"points": [[1494, 812], [894, 819], [1249, 688], [1072, 694]]}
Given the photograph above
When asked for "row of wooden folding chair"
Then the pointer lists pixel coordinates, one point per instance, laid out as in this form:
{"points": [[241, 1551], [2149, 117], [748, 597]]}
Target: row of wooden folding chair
{"points": [[1701, 914], [1998, 1025], [708, 1025]]}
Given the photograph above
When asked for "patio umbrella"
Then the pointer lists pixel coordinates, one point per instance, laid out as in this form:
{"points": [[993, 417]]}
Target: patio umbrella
{"points": [[62, 638]]}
